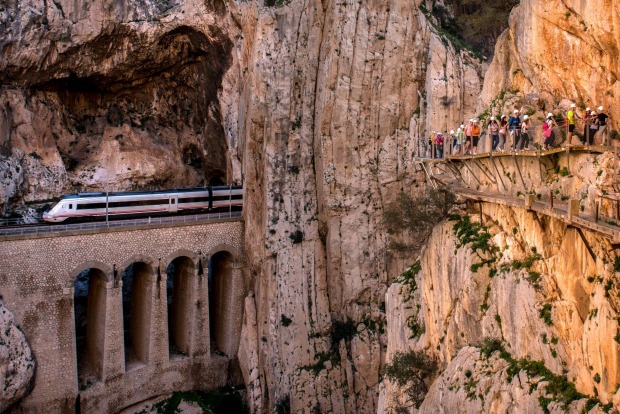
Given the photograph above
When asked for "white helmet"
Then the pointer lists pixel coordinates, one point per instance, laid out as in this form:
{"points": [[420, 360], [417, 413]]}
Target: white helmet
{"points": [[588, 109], [493, 118], [452, 132], [600, 109], [526, 117], [573, 106], [475, 121], [471, 119], [434, 132], [462, 126], [592, 113], [516, 111], [458, 130], [549, 115]]}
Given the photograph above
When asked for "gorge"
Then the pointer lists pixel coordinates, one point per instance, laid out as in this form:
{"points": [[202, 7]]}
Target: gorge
{"points": [[315, 107]]}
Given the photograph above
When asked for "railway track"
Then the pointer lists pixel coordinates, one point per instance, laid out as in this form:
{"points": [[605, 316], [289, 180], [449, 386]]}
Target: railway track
{"points": [[43, 228]]}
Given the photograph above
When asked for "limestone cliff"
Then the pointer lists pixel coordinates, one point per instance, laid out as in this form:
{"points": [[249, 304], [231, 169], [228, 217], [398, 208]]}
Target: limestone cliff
{"points": [[332, 95], [112, 95], [16, 361], [549, 299], [560, 49]]}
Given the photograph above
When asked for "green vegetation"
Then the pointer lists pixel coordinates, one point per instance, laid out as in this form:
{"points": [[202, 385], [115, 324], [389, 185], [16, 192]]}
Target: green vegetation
{"points": [[545, 314], [474, 25], [410, 371], [222, 401], [416, 216], [297, 236], [285, 321], [557, 387], [477, 237]]}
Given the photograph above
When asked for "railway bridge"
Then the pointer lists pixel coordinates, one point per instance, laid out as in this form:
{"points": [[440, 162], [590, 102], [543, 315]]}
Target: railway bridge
{"points": [[117, 315]]}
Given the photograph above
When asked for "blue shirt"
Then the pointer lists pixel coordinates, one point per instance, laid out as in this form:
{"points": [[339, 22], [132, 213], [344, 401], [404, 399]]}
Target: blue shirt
{"points": [[514, 123]]}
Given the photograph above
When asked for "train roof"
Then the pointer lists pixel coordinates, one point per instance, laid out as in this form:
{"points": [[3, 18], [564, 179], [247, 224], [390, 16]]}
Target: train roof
{"points": [[161, 192]]}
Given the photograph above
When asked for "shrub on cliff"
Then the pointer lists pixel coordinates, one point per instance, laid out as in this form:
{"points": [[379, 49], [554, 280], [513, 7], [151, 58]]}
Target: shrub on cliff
{"points": [[411, 371], [416, 217]]}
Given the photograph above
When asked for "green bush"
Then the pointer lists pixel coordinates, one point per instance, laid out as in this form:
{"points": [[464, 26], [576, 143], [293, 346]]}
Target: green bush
{"points": [[416, 217], [411, 370]]}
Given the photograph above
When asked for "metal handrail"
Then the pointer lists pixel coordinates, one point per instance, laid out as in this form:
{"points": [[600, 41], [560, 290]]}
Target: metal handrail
{"points": [[148, 221]]}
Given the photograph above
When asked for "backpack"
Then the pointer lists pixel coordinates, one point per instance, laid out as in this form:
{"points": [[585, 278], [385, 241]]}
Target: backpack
{"points": [[546, 130]]}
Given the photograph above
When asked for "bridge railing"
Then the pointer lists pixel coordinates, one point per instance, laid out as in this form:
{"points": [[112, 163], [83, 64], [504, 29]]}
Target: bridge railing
{"points": [[425, 149], [154, 221]]}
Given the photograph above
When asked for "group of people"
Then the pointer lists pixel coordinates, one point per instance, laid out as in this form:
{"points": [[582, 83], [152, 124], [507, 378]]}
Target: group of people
{"points": [[515, 133]]}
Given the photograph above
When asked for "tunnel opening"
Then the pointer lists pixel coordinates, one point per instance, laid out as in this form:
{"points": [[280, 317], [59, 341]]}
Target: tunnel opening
{"points": [[136, 298], [179, 278], [163, 96], [220, 284], [89, 302]]}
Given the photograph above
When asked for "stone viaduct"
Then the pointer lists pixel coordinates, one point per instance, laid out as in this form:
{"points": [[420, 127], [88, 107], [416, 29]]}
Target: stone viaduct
{"points": [[117, 316]]}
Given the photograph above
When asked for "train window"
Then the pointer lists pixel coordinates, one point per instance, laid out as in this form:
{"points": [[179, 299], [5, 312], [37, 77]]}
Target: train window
{"points": [[193, 199], [90, 206], [70, 206]]}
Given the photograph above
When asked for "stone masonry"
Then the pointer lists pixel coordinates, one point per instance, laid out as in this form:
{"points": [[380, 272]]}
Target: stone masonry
{"points": [[37, 283]]}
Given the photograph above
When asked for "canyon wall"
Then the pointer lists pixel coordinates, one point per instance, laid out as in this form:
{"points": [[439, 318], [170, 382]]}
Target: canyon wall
{"points": [[333, 94], [559, 49], [108, 95], [312, 105], [17, 363], [559, 308]]}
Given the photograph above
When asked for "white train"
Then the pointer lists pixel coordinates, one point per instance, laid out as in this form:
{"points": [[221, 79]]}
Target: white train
{"points": [[84, 205]]}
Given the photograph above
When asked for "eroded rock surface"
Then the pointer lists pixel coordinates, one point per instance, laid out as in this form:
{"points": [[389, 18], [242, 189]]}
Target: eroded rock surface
{"points": [[559, 49], [16, 361]]}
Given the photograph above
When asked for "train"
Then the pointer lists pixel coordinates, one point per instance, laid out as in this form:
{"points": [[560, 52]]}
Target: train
{"points": [[128, 204]]}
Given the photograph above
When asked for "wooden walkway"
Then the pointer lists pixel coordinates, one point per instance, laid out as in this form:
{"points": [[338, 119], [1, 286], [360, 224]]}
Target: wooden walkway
{"points": [[568, 212], [559, 211]]}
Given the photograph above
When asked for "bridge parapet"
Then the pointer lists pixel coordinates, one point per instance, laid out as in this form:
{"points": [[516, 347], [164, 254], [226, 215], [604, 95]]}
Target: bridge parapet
{"points": [[117, 317]]}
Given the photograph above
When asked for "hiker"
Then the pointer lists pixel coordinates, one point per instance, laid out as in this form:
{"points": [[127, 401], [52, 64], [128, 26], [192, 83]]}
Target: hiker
{"points": [[460, 139], [453, 141], [439, 140], [468, 129], [525, 133], [571, 122], [493, 132], [431, 140], [592, 127], [515, 128], [601, 122], [548, 132], [475, 135], [503, 129]]}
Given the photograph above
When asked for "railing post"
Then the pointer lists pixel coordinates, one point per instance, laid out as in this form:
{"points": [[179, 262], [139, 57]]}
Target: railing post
{"points": [[573, 208], [551, 198], [596, 206]]}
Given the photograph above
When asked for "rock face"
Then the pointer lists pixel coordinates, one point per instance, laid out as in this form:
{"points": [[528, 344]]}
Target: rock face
{"points": [[331, 99], [559, 49], [110, 95], [16, 361], [561, 310]]}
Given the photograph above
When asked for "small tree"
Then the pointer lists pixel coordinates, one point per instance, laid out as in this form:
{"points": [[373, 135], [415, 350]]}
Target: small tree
{"points": [[417, 216], [411, 371]]}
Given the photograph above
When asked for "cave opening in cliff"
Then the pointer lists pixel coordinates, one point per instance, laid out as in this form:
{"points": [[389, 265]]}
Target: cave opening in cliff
{"points": [[156, 113], [179, 279], [136, 298], [89, 305], [220, 301]]}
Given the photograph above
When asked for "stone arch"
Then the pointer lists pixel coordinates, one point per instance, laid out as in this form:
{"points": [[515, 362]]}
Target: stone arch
{"points": [[89, 305], [180, 280], [223, 284], [137, 292], [225, 247], [136, 259], [166, 261], [90, 264]]}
